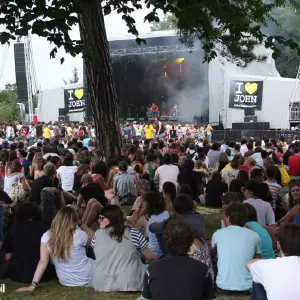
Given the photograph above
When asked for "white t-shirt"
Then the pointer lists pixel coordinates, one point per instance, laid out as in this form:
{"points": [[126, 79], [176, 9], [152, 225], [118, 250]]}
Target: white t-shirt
{"points": [[166, 173], [67, 176], [279, 277], [77, 269]]}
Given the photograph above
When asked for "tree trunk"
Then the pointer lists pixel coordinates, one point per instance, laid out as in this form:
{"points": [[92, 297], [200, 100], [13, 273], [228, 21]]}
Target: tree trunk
{"points": [[101, 87]]}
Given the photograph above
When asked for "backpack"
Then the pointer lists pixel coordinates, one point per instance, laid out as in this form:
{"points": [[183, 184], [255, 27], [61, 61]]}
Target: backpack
{"points": [[18, 193], [50, 204], [192, 155]]}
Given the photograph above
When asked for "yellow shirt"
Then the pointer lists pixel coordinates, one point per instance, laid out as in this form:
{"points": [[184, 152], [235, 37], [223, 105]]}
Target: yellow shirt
{"points": [[149, 132], [69, 131], [285, 178], [46, 133]]}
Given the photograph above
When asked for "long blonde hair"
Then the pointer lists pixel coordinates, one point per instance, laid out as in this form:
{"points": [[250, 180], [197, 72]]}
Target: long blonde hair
{"points": [[61, 233]]}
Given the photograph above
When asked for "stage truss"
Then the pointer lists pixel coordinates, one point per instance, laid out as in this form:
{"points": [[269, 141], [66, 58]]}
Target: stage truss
{"points": [[151, 50]]}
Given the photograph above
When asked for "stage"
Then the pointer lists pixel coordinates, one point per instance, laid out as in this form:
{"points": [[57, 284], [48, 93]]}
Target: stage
{"points": [[164, 72]]}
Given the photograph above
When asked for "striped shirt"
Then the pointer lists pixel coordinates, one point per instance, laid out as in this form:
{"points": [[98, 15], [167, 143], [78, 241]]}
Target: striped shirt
{"points": [[275, 190], [137, 237]]}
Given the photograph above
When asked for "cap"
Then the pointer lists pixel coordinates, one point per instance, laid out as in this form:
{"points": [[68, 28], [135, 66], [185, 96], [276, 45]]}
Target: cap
{"points": [[86, 177]]}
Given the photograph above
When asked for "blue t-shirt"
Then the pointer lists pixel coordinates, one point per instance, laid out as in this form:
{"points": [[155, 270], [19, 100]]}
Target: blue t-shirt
{"points": [[86, 142], [236, 246], [266, 241]]}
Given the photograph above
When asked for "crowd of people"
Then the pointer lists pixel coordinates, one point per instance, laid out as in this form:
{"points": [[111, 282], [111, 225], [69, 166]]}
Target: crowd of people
{"points": [[131, 222]]}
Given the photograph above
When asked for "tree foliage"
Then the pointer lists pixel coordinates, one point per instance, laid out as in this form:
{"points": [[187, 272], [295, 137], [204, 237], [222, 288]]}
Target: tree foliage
{"points": [[289, 19], [9, 109], [167, 23], [232, 27]]}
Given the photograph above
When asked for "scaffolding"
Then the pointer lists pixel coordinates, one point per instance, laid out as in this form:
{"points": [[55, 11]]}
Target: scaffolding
{"points": [[294, 110], [151, 50]]}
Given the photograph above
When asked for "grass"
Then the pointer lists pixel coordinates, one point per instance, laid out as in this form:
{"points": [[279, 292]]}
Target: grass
{"points": [[53, 290]]}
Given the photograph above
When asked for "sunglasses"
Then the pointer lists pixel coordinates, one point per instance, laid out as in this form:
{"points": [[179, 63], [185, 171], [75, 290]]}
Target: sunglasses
{"points": [[101, 217]]}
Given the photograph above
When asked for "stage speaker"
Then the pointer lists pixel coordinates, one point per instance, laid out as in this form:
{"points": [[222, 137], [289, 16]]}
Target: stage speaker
{"points": [[121, 120], [248, 119], [21, 80], [151, 119], [141, 119], [61, 112], [63, 118], [249, 111], [130, 119], [164, 118], [251, 126]]}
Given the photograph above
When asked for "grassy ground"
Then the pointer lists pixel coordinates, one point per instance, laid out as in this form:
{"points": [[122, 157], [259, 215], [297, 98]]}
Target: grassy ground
{"points": [[53, 290]]}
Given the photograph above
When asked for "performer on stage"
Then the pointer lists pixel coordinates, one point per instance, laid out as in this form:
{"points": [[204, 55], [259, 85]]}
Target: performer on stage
{"points": [[154, 109], [174, 110]]}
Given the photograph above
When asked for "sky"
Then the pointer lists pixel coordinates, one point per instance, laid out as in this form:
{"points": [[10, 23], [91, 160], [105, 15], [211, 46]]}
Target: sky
{"points": [[50, 73]]}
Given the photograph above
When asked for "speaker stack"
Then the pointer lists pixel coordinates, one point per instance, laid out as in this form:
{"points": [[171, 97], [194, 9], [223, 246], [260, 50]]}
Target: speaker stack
{"points": [[20, 68]]}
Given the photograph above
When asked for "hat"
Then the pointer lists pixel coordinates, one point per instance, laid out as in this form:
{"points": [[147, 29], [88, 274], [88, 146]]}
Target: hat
{"points": [[134, 122], [86, 177]]}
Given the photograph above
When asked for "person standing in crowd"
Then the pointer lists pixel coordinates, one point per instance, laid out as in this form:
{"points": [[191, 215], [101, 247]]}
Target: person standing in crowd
{"points": [[209, 131], [46, 132], [294, 164], [149, 132]]}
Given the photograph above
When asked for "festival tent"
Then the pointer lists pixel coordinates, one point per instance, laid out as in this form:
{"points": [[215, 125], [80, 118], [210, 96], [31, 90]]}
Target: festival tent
{"points": [[276, 92]]}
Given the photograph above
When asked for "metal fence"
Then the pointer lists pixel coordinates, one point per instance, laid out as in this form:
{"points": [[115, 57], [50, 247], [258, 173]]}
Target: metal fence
{"points": [[220, 135]]}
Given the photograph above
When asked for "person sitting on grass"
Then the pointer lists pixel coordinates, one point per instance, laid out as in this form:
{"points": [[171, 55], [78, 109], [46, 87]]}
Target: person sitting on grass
{"points": [[235, 246], [178, 276], [93, 196], [277, 279], [22, 244], [266, 240], [118, 266], [65, 245], [254, 192]]}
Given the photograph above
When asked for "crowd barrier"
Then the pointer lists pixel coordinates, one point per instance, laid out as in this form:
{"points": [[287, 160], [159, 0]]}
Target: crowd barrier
{"points": [[220, 135]]}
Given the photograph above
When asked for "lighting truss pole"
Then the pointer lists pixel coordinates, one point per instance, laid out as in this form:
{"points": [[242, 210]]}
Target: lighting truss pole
{"points": [[292, 100], [151, 50], [27, 51]]}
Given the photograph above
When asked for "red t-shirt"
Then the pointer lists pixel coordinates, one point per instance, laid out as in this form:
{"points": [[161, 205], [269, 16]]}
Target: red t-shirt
{"points": [[154, 107], [294, 165]]}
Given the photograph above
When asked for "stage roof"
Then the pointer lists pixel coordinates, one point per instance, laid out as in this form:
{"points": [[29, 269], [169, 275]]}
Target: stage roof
{"points": [[152, 34]]}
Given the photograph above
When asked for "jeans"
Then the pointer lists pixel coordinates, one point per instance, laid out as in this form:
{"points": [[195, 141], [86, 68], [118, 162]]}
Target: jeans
{"points": [[258, 292], [209, 135]]}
